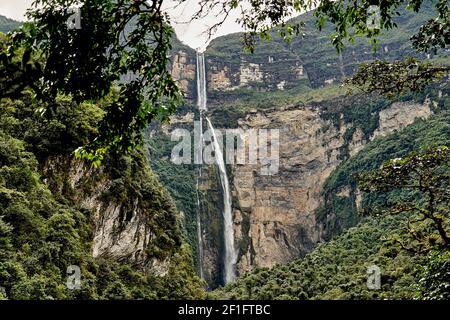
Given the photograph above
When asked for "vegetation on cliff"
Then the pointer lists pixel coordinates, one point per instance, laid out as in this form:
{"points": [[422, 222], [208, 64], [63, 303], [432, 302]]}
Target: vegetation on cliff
{"points": [[44, 228], [63, 91], [338, 270], [7, 25], [403, 244], [432, 132]]}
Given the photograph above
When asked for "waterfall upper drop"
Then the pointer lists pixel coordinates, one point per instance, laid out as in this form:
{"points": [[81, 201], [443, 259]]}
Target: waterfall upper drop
{"points": [[230, 256], [201, 82]]}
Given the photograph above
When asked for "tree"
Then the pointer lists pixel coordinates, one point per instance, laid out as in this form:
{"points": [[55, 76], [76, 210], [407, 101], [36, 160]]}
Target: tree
{"points": [[420, 186], [130, 40], [117, 56], [350, 20], [435, 281], [393, 79]]}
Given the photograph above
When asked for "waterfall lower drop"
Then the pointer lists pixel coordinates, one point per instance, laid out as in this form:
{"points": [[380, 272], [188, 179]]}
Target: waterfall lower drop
{"points": [[230, 253], [230, 256], [199, 229]]}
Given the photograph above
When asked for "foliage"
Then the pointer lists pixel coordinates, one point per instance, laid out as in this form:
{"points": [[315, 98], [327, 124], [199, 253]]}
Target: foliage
{"points": [[349, 21], [336, 269], [44, 228], [435, 33], [434, 283], [348, 18], [179, 180], [119, 54], [396, 78], [70, 126], [425, 178], [434, 131]]}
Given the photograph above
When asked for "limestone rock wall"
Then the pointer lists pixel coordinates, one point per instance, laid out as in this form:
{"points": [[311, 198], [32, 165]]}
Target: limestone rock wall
{"points": [[120, 231], [261, 73], [183, 69], [274, 216]]}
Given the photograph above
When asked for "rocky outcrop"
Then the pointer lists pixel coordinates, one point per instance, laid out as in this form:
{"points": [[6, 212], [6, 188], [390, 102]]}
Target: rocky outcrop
{"points": [[261, 73], [250, 72], [123, 229], [280, 209], [399, 115], [184, 70]]}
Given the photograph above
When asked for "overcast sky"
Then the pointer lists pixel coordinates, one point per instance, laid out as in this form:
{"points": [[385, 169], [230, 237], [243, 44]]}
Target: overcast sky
{"points": [[191, 33]]}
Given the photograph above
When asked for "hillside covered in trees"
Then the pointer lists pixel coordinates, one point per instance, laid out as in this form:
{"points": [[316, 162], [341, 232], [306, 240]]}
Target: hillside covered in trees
{"points": [[338, 269], [93, 207]]}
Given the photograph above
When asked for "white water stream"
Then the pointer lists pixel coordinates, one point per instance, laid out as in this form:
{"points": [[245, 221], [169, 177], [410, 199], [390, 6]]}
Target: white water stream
{"points": [[229, 256]]}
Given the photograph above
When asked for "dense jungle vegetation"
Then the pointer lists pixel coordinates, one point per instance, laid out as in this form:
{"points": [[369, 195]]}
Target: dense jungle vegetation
{"points": [[64, 105]]}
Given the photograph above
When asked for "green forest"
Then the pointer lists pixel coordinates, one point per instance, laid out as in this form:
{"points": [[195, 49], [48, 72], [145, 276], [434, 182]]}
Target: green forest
{"points": [[87, 115]]}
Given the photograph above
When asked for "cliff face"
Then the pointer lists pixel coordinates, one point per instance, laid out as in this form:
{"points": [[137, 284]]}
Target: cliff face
{"points": [[266, 73], [116, 223], [240, 71], [183, 69], [127, 219], [309, 61], [275, 216]]}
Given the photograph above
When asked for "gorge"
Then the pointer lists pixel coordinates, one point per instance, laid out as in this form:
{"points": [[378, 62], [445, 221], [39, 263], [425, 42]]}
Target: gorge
{"points": [[139, 225], [278, 218]]}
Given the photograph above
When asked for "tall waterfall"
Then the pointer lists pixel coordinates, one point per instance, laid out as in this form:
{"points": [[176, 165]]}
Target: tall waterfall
{"points": [[201, 82], [199, 229], [230, 255]]}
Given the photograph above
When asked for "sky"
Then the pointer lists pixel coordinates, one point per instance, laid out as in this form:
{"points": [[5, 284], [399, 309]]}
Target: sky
{"points": [[191, 33]]}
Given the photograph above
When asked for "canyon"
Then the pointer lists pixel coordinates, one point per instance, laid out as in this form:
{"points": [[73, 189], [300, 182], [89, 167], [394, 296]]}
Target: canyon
{"points": [[292, 87], [288, 218], [275, 218]]}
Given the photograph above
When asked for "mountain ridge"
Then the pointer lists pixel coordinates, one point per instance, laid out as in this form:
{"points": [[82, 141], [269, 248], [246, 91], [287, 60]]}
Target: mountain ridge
{"points": [[7, 24]]}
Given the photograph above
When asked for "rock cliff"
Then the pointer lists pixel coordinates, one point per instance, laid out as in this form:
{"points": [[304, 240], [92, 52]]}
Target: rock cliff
{"points": [[275, 216], [132, 214], [309, 61]]}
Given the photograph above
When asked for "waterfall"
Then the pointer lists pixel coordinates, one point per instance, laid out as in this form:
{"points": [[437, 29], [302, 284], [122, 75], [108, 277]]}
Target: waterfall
{"points": [[199, 229], [230, 255], [201, 82], [201, 103]]}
